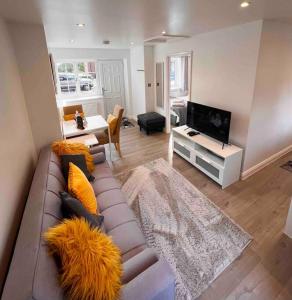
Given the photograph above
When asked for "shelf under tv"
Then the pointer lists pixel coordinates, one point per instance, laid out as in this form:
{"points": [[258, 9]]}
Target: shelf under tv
{"points": [[223, 165]]}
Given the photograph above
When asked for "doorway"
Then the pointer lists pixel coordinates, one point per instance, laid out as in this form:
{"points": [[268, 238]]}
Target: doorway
{"points": [[112, 83], [179, 88]]}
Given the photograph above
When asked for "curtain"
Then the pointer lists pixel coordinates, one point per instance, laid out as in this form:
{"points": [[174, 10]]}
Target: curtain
{"points": [[185, 73]]}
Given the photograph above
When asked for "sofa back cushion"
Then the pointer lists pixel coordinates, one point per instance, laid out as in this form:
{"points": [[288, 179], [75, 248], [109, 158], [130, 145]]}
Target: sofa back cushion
{"points": [[35, 277]]}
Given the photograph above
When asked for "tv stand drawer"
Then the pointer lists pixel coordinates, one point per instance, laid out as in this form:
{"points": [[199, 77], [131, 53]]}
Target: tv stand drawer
{"points": [[207, 166], [182, 149]]}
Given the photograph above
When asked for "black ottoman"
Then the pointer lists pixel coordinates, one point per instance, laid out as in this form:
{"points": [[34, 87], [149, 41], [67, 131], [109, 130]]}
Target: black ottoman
{"points": [[151, 121]]}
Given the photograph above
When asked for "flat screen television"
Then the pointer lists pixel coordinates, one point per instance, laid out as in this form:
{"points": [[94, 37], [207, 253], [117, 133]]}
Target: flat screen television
{"points": [[208, 120]]}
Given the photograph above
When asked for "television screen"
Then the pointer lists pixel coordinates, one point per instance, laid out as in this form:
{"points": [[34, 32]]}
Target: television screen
{"points": [[211, 121]]}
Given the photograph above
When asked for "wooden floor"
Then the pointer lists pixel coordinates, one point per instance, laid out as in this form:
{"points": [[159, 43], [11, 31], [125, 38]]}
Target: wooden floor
{"points": [[258, 204]]}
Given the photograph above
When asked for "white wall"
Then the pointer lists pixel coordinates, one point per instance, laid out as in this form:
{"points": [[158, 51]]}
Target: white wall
{"points": [[138, 81], [35, 71], [17, 151], [270, 129], [149, 78], [95, 54], [223, 71]]}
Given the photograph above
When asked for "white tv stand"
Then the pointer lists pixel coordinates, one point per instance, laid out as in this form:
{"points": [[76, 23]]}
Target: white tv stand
{"points": [[223, 165]]}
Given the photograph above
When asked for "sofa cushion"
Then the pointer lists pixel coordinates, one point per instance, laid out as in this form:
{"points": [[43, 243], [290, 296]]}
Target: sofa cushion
{"points": [[110, 198], [55, 158], [102, 170], [105, 184], [55, 170], [117, 215], [62, 147], [55, 185], [79, 161], [46, 272], [52, 205], [127, 236]]}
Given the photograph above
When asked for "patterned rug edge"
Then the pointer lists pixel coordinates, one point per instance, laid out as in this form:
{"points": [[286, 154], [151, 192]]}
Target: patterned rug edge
{"points": [[205, 197]]}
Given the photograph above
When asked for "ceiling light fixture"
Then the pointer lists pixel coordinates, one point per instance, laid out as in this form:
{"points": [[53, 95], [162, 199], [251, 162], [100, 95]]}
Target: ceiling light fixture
{"points": [[80, 24], [163, 32], [245, 4], [72, 41], [132, 43]]}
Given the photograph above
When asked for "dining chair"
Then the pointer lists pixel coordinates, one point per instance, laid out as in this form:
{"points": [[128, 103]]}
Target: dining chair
{"points": [[103, 137], [69, 111]]}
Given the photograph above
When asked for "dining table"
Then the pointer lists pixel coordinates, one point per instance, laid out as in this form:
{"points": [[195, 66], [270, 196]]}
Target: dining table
{"points": [[92, 124]]}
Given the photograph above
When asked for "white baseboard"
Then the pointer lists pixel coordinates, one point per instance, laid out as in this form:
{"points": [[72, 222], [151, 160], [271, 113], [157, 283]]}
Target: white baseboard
{"points": [[264, 163], [130, 117]]}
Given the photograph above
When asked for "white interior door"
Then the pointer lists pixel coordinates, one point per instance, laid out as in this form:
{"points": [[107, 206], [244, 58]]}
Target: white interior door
{"points": [[112, 83]]}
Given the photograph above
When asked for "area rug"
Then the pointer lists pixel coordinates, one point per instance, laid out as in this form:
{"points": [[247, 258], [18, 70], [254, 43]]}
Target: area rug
{"points": [[197, 239]]}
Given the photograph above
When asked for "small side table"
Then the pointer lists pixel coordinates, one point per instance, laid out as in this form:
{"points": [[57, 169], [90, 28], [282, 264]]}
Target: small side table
{"points": [[88, 140]]}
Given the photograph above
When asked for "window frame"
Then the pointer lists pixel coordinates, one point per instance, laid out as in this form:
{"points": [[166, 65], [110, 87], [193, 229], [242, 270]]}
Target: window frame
{"points": [[78, 94], [178, 73]]}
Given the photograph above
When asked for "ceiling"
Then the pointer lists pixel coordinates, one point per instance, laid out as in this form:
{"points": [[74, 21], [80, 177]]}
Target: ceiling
{"points": [[126, 21]]}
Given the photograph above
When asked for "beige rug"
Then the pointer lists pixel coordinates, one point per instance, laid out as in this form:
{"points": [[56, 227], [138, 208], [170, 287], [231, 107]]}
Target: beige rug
{"points": [[185, 227]]}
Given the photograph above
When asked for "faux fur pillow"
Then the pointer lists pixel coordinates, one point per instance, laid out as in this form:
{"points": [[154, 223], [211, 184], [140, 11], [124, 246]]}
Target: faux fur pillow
{"points": [[90, 262], [62, 147]]}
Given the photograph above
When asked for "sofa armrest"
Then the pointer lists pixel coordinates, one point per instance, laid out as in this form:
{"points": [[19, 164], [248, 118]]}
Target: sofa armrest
{"points": [[156, 283], [98, 153], [97, 149], [138, 263], [98, 158]]}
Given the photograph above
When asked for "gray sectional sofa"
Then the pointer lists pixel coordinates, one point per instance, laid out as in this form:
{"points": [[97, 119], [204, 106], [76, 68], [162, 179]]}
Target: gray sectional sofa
{"points": [[33, 275]]}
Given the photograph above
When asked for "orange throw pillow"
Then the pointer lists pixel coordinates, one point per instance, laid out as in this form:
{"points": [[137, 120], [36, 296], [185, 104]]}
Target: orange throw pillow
{"points": [[91, 266], [62, 147], [80, 188], [112, 122], [72, 116]]}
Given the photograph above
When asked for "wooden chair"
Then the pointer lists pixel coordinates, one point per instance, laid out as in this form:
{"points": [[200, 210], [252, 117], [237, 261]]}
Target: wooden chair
{"points": [[69, 111], [115, 133]]}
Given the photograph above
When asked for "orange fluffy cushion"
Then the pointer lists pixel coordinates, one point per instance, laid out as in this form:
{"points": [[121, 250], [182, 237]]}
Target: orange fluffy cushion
{"points": [[91, 263], [61, 148], [112, 122], [80, 188]]}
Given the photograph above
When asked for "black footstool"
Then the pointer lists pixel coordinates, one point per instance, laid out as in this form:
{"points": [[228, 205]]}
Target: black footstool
{"points": [[151, 121]]}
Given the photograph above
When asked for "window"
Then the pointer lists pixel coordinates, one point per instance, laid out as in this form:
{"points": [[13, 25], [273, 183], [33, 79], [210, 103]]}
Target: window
{"points": [[175, 73], [179, 73], [76, 78]]}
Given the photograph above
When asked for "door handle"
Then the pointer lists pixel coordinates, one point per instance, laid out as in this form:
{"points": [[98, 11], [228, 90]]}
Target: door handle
{"points": [[103, 90]]}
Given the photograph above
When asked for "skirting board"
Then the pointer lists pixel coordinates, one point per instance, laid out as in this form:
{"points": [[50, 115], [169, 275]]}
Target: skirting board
{"points": [[264, 163]]}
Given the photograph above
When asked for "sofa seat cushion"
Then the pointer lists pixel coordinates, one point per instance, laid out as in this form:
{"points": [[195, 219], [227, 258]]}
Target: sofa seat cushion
{"points": [[105, 184], [110, 198], [117, 215], [102, 170], [127, 236]]}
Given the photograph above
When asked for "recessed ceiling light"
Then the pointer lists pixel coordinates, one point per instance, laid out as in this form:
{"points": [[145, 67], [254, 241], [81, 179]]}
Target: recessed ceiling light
{"points": [[80, 24], [245, 4], [163, 32], [132, 43], [72, 41]]}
